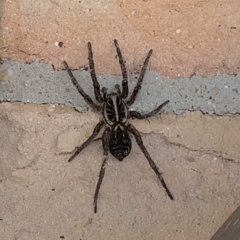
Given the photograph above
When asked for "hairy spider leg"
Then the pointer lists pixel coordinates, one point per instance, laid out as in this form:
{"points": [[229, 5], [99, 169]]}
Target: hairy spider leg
{"points": [[138, 115], [124, 71], [96, 130], [96, 85], [137, 88], [80, 90], [102, 171], [152, 164]]}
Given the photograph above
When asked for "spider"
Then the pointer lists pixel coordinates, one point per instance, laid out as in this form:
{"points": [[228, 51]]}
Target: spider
{"points": [[114, 108]]}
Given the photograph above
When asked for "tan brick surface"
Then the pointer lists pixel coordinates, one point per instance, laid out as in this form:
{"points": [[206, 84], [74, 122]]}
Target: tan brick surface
{"points": [[187, 37], [45, 197]]}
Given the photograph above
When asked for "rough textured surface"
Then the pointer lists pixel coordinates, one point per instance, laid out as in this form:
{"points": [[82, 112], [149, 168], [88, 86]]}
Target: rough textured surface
{"points": [[187, 36], [39, 83], [44, 197]]}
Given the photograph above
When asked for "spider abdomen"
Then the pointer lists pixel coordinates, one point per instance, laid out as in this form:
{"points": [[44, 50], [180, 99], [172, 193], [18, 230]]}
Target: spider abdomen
{"points": [[120, 143]]}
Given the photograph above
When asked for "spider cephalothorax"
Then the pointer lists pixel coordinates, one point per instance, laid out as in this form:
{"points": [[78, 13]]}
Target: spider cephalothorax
{"points": [[114, 108]]}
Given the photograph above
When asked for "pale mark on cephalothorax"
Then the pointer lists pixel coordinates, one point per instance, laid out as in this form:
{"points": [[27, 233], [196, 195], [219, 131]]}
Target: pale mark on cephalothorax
{"points": [[115, 107]]}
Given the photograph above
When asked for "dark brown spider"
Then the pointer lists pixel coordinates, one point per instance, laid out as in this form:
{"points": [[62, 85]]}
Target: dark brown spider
{"points": [[115, 115]]}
